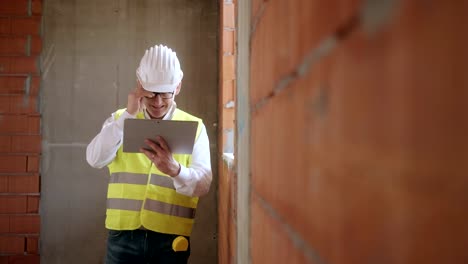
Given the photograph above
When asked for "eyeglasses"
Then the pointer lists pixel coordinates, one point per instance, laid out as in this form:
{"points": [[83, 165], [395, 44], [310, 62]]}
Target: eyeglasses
{"points": [[164, 95]]}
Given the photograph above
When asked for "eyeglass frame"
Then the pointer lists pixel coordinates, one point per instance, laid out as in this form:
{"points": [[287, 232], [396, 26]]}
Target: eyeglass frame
{"points": [[161, 95]]}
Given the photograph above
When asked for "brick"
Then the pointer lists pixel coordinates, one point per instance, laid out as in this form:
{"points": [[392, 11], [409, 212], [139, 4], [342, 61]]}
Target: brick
{"points": [[5, 64], [228, 92], [10, 124], [256, 5], [226, 222], [229, 68], [286, 194], [271, 62], [4, 223], [12, 204], [229, 41], [34, 85], [269, 240], [33, 163], [228, 118], [3, 183], [10, 163], [34, 124], [28, 144], [13, 45], [320, 19], [223, 235], [14, 7], [36, 45], [5, 143], [19, 124], [5, 25], [414, 89], [32, 245], [36, 7], [33, 204], [25, 224], [26, 259], [232, 240], [12, 244], [4, 104], [23, 104], [18, 65], [23, 183], [24, 65], [17, 104], [228, 16], [284, 23], [12, 84], [26, 26]]}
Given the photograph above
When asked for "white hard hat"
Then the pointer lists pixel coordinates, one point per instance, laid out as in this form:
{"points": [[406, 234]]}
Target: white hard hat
{"points": [[159, 70]]}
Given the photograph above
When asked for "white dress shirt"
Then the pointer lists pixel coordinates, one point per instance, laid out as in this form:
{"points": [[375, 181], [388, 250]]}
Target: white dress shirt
{"points": [[193, 181]]}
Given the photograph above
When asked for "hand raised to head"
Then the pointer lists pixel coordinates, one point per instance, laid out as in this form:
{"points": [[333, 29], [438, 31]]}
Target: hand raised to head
{"points": [[135, 97]]}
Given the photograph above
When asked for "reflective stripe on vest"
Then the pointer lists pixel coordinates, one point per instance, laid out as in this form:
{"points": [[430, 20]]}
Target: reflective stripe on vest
{"points": [[131, 178], [163, 181], [151, 205], [169, 209], [124, 204], [142, 179]]}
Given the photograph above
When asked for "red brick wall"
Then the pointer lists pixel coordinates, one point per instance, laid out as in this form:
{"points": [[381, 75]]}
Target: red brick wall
{"points": [[227, 175], [359, 143], [20, 139]]}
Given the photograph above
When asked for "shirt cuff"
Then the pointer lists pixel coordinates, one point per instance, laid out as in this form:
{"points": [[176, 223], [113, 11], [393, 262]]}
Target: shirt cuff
{"points": [[184, 176]]}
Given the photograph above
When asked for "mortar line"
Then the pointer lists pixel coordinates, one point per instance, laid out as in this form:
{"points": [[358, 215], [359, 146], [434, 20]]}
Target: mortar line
{"points": [[313, 57], [256, 19], [29, 7], [298, 241]]}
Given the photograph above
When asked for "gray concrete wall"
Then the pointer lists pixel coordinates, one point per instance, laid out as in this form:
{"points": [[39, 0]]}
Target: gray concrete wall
{"points": [[91, 51]]}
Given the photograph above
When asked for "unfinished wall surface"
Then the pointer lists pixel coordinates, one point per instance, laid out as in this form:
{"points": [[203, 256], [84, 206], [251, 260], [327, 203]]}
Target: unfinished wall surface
{"points": [[20, 136], [91, 51], [364, 105]]}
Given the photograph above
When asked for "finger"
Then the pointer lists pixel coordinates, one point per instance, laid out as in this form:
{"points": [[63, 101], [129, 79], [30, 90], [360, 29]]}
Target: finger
{"points": [[154, 146], [141, 92], [162, 142], [151, 155], [147, 94]]}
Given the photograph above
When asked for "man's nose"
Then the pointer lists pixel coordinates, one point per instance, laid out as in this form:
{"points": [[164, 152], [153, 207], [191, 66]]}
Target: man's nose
{"points": [[157, 97]]}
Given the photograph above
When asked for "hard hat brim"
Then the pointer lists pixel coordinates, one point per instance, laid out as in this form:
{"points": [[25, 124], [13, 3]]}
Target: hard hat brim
{"points": [[158, 88]]}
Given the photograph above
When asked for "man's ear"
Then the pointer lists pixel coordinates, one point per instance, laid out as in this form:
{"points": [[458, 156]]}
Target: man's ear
{"points": [[177, 91]]}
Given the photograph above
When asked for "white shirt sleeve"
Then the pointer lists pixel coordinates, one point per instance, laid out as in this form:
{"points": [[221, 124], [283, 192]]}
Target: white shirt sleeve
{"points": [[103, 148], [195, 180]]}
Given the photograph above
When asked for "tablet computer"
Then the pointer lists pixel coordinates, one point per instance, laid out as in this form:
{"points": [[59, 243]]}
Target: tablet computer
{"points": [[179, 135]]}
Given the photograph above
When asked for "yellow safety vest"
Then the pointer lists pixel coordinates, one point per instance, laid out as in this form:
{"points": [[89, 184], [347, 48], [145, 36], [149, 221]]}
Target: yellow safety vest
{"points": [[141, 195]]}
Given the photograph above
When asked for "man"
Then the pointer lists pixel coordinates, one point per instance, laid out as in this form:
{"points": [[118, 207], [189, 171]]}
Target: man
{"points": [[152, 196]]}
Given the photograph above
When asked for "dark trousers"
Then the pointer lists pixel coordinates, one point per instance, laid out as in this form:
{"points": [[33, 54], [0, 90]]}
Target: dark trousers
{"points": [[143, 247]]}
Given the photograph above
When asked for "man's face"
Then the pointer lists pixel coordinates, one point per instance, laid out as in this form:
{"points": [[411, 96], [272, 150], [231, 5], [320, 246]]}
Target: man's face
{"points": [[158, 106]]}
